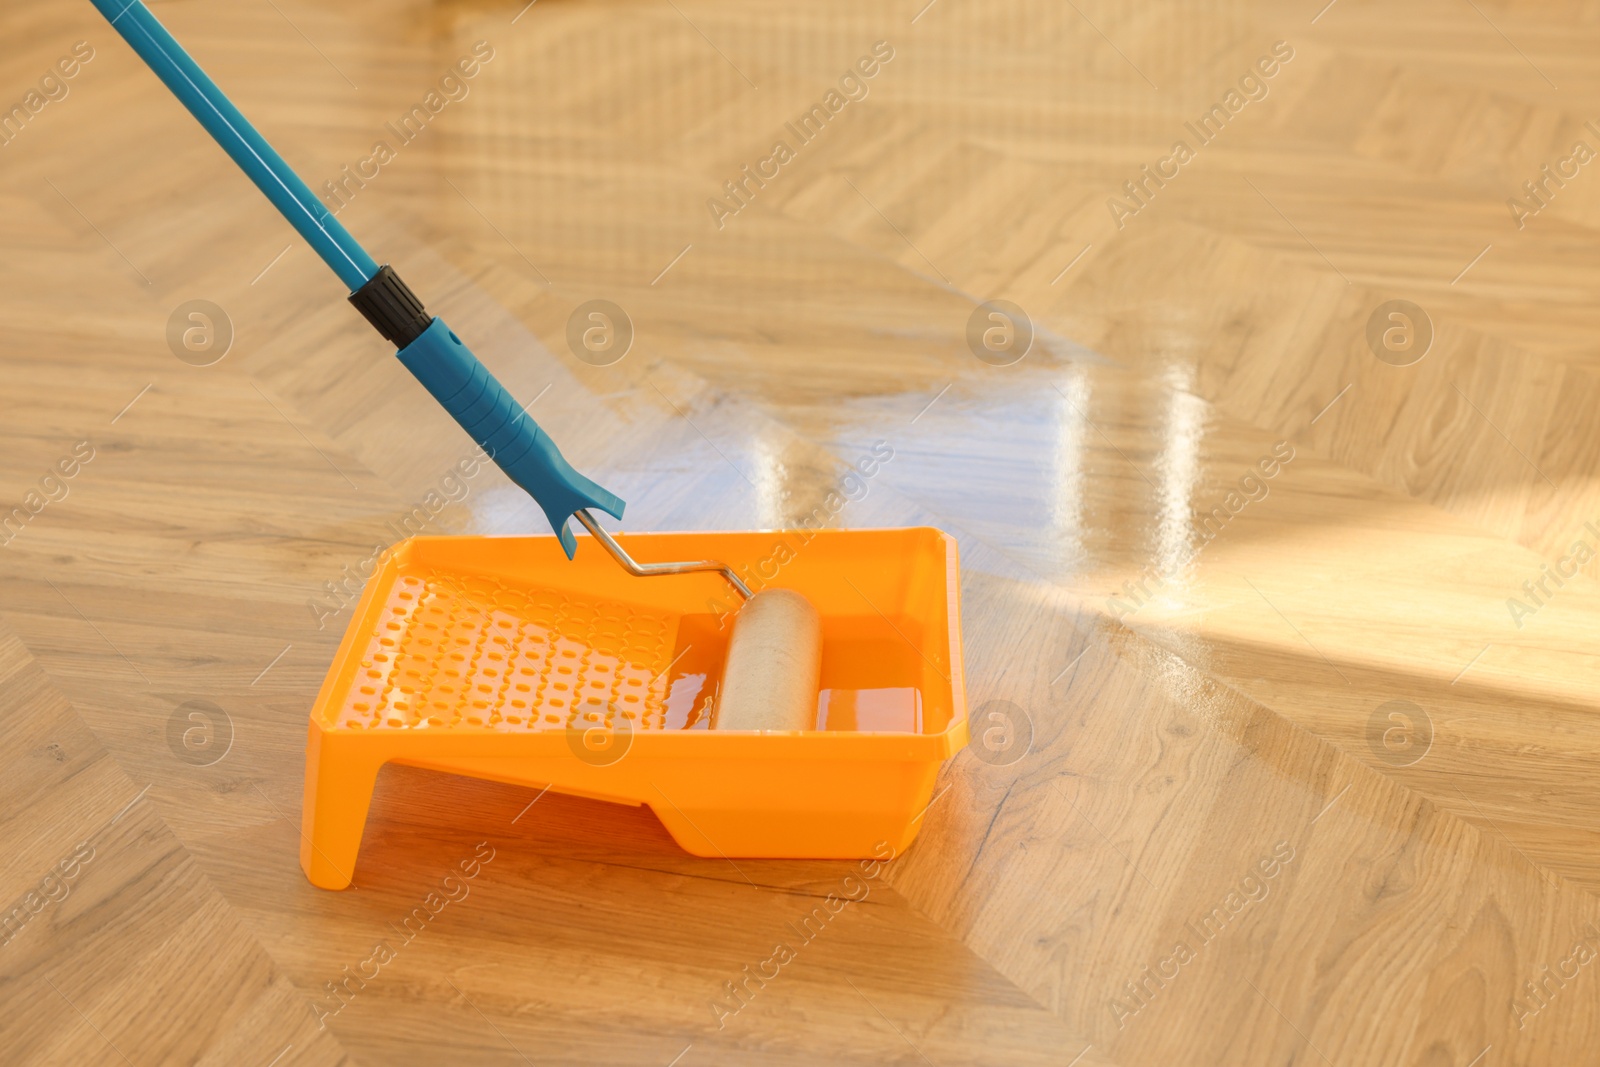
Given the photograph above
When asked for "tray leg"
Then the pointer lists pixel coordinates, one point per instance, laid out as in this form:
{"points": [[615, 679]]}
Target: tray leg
{"points": [[340, 777]]}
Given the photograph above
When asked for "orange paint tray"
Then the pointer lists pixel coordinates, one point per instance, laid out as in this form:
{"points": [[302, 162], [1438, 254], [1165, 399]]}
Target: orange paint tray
{"points": [[497, 657]]}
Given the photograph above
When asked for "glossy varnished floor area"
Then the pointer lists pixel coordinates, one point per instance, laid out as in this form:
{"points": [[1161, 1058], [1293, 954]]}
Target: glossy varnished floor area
{"points": [[1280, 640]]}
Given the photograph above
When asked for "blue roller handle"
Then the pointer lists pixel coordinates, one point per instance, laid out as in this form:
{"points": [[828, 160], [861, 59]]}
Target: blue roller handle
{"points": [[445, 366], [496, 421]]}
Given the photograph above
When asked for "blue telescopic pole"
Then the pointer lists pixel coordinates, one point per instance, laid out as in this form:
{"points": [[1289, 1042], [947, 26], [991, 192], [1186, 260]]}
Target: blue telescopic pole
{"points": [[239, 139], [426, 346]]}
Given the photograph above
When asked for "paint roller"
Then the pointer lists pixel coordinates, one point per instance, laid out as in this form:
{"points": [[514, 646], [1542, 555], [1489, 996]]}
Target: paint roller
{"points": [[772, 672]]}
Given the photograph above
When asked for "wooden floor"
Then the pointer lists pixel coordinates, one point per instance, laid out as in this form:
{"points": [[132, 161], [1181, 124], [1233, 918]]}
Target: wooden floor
{"points": [[1309, 763]]}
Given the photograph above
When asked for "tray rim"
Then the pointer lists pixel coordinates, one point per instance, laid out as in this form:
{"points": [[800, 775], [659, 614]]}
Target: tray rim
{"points": [[828, 744]]}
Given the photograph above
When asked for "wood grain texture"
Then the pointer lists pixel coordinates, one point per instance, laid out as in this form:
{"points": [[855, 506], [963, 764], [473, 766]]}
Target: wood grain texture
{"points": [[117, 947], [1185, 672]]}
